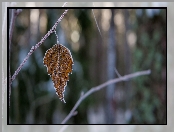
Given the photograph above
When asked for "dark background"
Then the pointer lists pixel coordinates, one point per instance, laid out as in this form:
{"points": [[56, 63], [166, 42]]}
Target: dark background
{"points": [[132, 40]]}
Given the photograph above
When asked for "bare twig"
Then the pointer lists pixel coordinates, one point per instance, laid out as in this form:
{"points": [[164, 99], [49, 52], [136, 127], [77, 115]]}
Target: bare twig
{"points": [[64, 4], [63, 128], [117, 73], [37, 45], [97, 88], [96, 21], [14, 14], [12, 21], [13, 17]]}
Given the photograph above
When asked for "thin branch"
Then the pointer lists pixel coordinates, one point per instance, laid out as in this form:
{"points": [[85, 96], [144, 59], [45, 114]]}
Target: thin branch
{"points": [[117, 73], [63, 128], [37, 45], [14, 14], [96, 22], [97, 88], [64, 4], [12, 22], [13, 17]]}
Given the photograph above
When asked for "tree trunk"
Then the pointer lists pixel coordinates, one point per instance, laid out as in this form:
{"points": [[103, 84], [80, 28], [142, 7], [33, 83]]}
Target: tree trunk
{"points": [[111, 58]]}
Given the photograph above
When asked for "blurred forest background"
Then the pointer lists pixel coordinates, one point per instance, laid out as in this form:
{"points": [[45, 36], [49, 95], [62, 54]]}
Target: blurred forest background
{"points": [[131, 40]]}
